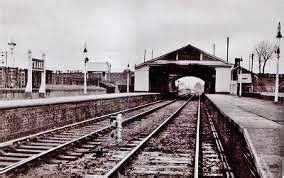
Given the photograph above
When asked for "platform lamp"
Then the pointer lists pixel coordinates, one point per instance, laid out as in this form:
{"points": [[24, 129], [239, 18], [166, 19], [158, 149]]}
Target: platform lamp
{"points": [[127, 78], [278, 36], [12, 45], [86, 60]]}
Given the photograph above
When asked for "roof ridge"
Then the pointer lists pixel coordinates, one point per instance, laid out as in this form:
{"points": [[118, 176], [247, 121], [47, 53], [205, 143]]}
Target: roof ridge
{"points": [[189, 45]]}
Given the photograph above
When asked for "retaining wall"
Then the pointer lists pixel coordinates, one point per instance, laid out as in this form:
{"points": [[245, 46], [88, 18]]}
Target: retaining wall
{"points": [[236, 149], [20, 118]]}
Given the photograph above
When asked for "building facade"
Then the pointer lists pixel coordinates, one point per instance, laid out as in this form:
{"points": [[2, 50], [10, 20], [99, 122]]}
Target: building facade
{"points": [[12, 77]]}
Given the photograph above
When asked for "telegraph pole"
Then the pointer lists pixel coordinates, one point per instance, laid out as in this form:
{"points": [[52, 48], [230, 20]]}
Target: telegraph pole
{"points": [[128, 77], [249, 62], [145, 55], [252, 62], [228, 49]]}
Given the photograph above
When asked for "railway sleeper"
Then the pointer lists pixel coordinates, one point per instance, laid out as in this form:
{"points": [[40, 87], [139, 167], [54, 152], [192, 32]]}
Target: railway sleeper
{"points": [[44, 144], [67, 157], [33, 151], [35, 147], [9, 159], [50, 141]]}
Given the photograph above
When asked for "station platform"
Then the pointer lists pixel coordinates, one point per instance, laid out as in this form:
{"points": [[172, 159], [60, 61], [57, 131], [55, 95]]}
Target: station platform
{"points": [[4, 104], [261, 123], [20, 118]]}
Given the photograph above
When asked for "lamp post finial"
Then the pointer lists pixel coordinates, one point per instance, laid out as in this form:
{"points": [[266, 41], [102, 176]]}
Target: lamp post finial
{"points": [[279, 35]]}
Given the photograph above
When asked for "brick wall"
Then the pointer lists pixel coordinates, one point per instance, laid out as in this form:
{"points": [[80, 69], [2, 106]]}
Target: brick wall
{"points": [[236, 149], [22, 121]]}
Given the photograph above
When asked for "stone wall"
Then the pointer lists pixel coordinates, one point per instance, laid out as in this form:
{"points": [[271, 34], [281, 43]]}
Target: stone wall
{"points": [[21, 120], [236, 149]]}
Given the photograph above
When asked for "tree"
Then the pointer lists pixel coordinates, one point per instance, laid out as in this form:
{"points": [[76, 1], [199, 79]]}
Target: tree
{"points": [[269, 49], [264, 51], [258, 49]]}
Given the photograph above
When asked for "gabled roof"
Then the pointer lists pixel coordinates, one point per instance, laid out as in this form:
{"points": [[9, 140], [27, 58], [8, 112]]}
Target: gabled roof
{"points": [[214, 60]]}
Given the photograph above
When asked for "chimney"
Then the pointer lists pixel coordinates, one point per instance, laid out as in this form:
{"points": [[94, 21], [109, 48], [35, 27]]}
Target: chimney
{"points": [[237, 62]]}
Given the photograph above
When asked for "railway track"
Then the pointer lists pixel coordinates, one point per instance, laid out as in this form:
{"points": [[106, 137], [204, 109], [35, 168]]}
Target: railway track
{"points": [[20, 152], [170, 138], [214, 162], [102, 152], [177, 148], [161, 152]]}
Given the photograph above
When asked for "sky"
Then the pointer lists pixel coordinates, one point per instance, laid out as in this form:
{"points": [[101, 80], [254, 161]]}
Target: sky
{"points": [[120, 30]]}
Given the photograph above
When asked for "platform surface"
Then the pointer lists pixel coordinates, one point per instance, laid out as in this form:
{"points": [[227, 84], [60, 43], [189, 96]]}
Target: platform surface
{"points": [[4, 104], [262, 124]]}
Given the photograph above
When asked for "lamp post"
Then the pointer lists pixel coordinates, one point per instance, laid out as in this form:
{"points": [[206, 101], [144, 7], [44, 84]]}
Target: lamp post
{"points": [[278, 36], [241, 84], [12, 45], [241, 78], [86, 60], [127, 79], [29, 87], [42, 92]]}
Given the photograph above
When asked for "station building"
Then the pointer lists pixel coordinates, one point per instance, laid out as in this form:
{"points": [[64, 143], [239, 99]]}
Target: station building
{"points": [[220, 76], [160, 74]]}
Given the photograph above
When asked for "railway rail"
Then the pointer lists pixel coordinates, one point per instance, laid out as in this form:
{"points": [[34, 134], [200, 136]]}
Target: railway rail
{"points": [[19, 152]]}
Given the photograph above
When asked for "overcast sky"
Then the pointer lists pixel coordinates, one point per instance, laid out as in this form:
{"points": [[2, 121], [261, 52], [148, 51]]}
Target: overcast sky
{"points": [[120, 30]]}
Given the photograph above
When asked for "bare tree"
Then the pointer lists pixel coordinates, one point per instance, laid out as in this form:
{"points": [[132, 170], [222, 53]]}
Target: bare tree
{"points": [[264, 51], [258, 49], [269, 49]]}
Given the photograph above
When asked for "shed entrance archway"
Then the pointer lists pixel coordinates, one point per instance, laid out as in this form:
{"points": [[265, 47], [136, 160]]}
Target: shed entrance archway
{"points": [[159, 74], [162, 78], [189, 85]]}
